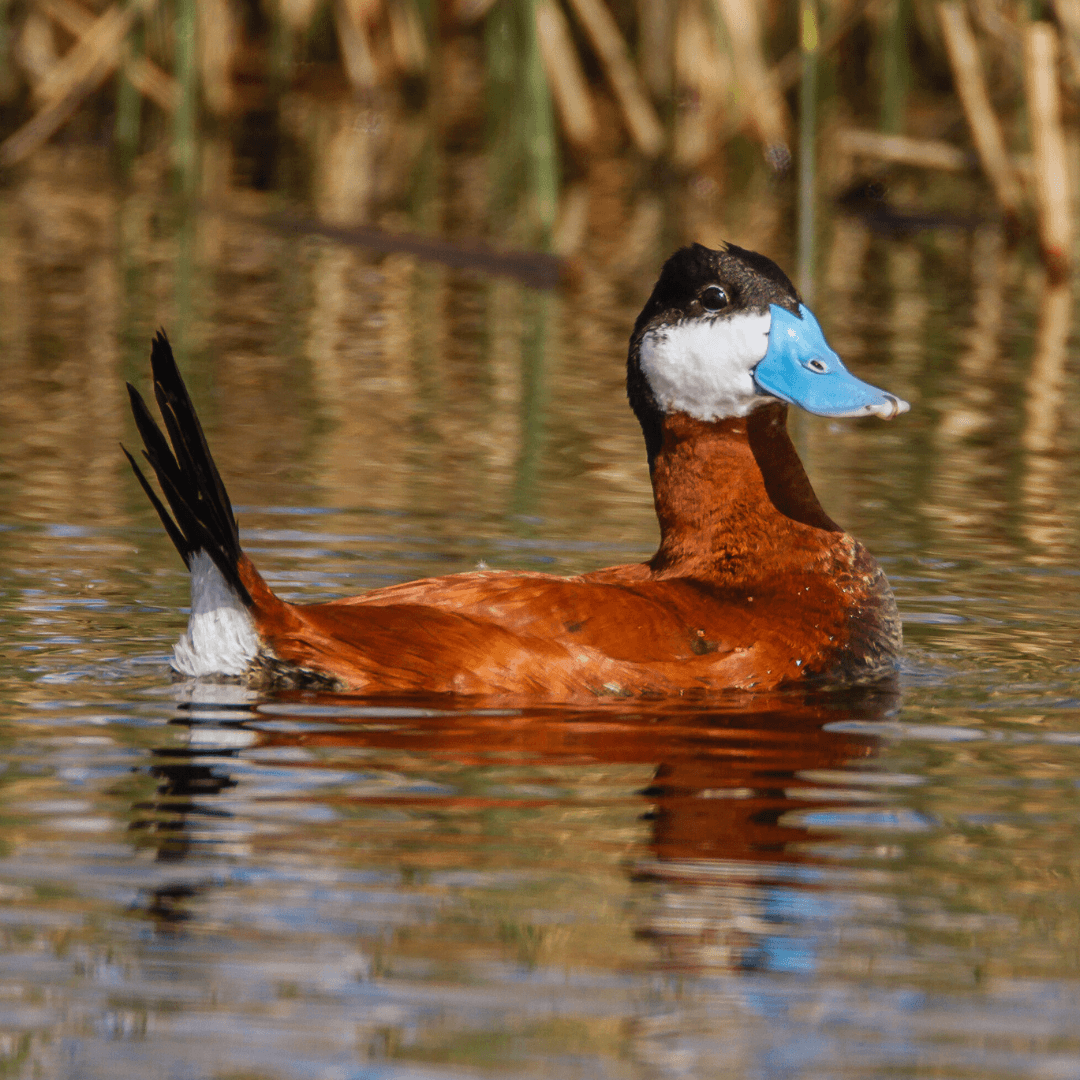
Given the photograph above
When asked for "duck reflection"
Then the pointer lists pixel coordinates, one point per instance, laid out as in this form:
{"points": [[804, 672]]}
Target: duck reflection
{"points": [[184, 782], [723, 798]]}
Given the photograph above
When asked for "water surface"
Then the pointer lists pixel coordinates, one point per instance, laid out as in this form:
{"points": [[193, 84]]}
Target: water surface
{"points": [[201, 883]]}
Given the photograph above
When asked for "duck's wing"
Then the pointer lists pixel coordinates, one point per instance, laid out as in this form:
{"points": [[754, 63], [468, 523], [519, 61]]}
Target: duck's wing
{"points": [[411, 649]]}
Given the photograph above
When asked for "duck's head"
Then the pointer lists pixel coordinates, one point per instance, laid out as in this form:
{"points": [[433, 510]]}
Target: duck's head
{"points": [[723, 333]]}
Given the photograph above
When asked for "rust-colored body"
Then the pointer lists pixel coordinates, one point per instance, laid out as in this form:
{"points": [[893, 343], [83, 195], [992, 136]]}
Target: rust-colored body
{"points": [[753, 587]]}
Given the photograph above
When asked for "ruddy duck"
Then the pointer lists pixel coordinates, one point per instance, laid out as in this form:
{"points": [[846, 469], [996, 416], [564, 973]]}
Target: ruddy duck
{"points": [[753, 586]]}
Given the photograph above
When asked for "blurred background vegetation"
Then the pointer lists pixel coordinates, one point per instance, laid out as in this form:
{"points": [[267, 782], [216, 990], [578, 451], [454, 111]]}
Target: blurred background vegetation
{"points": [[356, 102]]}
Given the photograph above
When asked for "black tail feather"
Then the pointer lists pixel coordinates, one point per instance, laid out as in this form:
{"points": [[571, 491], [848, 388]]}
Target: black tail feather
{"points": [[175, 535], [202, 517]]}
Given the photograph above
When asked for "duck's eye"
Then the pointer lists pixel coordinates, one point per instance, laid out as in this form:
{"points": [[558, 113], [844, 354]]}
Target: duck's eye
{"points": [[817, 365], [714, 298]]}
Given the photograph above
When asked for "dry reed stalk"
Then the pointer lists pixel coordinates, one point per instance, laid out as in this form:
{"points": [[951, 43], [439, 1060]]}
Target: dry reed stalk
{"points": [[366, 11], [85, 67], [761, 96], [1051, 173], [562, 67], [366, 14], [469, 11], [101, 43], [150, 80], [638, 112], [971, 86], [35, 48], [217, 43], [49, 119], [297, 14], [924, 153], [355, 45], [704, 74], [656, 36], [408, 42], [1067, 13], [990, 17]]}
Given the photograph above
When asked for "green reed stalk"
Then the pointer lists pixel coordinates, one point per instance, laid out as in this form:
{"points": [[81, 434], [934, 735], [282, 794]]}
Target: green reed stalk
{"points": [[538, 119], [808, 92], [128, 108], [895, 67], [503, 134], [185, 119], [521, 138]]}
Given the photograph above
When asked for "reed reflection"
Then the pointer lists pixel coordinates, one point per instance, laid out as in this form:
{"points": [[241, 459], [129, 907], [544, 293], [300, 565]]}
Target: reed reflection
{"points": [[970, 495], [1044, 524]]}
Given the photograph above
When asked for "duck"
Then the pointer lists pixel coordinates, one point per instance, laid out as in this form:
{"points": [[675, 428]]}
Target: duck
{"points": [[753, 587]]}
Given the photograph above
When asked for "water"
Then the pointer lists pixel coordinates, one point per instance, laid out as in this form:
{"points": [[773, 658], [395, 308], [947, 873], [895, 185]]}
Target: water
{"points": [[227, 885]]}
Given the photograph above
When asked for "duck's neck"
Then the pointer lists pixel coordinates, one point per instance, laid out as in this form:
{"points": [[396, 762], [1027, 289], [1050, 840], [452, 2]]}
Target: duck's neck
{"points": [[731, 495]]}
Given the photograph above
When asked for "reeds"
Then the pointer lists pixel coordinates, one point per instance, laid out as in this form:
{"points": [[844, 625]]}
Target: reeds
{"points": [[678, 82], [184, 117], [1050, 171], [971, 86]]}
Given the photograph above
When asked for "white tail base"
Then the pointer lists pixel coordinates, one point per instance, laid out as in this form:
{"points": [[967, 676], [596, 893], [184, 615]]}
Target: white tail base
{"points": [[221, 637]]}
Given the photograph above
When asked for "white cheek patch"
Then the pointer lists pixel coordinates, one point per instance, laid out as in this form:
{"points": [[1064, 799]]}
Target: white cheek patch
{"points": [[704, 367], [221, 637]]}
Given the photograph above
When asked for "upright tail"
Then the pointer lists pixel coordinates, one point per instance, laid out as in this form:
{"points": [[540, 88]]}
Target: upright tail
{"points": [[221, 637]]}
